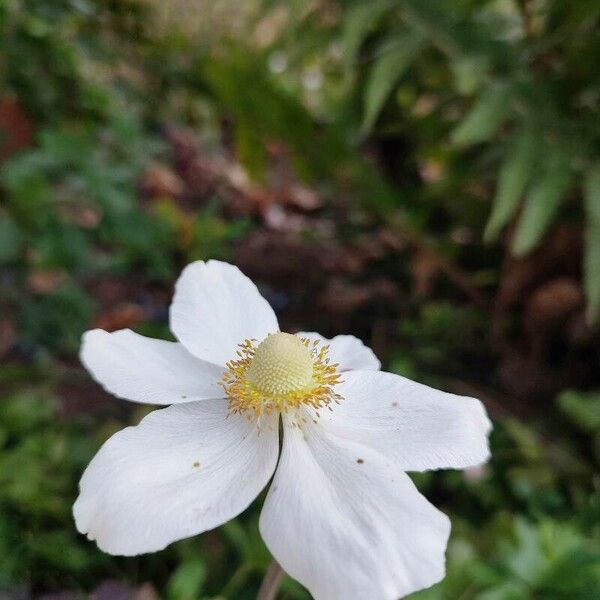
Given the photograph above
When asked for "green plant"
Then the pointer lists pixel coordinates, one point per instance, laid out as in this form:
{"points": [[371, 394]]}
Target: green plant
{"points": [[513, 84], [473, 96]]}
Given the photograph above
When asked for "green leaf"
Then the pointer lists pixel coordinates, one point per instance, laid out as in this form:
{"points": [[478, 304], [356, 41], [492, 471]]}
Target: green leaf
{"points": [[514, 176], [11, 239], [508, 590], [236, 534], [591, 266], [543, 201], [385, 74], [359, 21], [582, 408], [57, 320], [28, 193], [470, 73], [526, 560], [485, 117], [187, 581], [251, 150]]}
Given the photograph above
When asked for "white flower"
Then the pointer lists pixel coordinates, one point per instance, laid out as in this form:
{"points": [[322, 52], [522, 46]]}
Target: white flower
{"points": [[341, 515]]}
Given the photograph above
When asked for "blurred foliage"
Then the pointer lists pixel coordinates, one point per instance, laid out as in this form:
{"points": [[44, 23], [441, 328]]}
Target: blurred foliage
{"points": [[499, 93], [434, 125]]}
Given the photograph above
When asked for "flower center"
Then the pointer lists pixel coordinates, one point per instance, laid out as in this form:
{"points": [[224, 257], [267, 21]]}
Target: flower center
{"points": [[280, 365], [283, 372]]}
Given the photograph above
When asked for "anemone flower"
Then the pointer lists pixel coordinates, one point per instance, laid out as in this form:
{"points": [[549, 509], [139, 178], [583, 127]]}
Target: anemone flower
{"points": [[341, 515]]}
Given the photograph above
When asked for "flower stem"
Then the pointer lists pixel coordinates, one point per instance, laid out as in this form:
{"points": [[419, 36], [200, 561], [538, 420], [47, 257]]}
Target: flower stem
{"points": [[270, 584]]}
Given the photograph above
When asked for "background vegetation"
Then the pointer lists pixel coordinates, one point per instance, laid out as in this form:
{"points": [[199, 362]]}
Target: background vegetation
{"points": [[422, 173]]}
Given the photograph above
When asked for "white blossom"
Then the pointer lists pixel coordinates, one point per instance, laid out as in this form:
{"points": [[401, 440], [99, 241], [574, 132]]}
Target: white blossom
{"points": [[341, 515]]}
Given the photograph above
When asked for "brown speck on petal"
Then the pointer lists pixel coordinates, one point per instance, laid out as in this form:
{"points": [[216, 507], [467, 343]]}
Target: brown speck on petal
{"points": [[195, 464], [360, 461]]}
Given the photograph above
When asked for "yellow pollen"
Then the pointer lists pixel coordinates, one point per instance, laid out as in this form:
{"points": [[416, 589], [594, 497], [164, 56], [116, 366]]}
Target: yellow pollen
{"points": [[282, 373]]}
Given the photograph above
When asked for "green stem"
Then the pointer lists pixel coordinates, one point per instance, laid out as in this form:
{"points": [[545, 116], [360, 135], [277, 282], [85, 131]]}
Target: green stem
{"points": [[270, 584]]}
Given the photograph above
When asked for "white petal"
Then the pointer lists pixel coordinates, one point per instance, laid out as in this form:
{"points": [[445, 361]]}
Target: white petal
{"points": [[143, 369], [346, 524], [184, 469], [348, 351], [215, 308], [415, 426]]}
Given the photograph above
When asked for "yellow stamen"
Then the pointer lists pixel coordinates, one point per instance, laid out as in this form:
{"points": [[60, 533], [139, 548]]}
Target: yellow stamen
{"points": [[282, 373]]}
